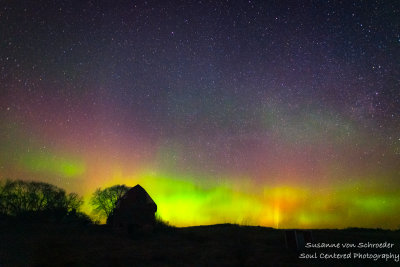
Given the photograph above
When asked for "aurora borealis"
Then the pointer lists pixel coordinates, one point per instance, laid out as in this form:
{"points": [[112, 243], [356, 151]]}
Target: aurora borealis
{"points": [[250, 112]]}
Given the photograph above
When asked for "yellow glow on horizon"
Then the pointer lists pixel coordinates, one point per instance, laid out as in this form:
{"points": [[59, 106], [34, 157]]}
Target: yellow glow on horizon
{"points": [[184, 201]]}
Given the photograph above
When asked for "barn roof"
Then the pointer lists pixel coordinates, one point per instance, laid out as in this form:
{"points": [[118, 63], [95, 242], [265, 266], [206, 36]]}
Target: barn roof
{"points": [[137, 194]]}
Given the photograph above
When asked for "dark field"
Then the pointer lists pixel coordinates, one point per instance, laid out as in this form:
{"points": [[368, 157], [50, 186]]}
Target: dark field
{"points": [[216, 245]]}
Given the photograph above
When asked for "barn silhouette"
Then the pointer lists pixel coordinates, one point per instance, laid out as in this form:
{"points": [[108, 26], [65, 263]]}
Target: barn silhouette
{"points": [[135, 210]]}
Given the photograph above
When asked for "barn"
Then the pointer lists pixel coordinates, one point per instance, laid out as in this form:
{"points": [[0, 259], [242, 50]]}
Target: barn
{"points": [[135, 210]]}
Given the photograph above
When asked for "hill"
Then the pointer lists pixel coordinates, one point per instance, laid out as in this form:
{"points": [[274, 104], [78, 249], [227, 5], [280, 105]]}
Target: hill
{"points": [[215, 245]]}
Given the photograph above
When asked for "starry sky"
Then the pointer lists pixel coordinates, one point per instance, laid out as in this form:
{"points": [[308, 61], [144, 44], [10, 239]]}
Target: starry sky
{"points": [[251, 112]]}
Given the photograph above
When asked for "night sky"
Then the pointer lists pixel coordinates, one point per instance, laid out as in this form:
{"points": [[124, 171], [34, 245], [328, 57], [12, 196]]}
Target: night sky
{"points": [[251, 112]]}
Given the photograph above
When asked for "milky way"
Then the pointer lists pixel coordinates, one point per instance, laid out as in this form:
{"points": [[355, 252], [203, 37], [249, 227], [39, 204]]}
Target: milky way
{"points": [[249, 112]]}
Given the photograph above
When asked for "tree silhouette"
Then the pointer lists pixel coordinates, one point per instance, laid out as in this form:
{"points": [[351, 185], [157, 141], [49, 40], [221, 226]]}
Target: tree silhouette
{"points": [[73, 202], [104, 200], [21, 197]]}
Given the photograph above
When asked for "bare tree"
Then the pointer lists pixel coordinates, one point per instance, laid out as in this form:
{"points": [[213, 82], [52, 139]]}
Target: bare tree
{"points": [[104, 200], [3, 209], [73, 202], [17, 197]]}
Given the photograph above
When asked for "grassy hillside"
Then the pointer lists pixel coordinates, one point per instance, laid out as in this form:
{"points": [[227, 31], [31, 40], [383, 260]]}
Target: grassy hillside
{"points": [[215, 245]]}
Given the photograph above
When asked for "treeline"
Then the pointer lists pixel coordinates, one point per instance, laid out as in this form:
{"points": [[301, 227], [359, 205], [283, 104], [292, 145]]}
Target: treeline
{"points": [[30, 200], [38, 201]]}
